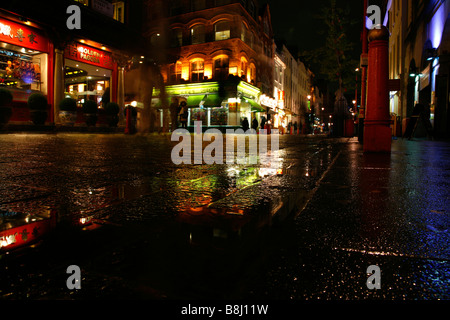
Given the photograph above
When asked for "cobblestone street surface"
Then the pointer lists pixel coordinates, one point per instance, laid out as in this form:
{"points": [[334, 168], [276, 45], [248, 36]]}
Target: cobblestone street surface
{"points": [[139, 226]]}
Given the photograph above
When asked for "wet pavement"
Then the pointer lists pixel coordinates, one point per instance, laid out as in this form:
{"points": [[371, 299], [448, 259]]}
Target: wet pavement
{"points": [[305, 227]]}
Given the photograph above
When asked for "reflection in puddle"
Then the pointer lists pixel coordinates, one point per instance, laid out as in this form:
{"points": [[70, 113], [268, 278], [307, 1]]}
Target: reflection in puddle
{"points": [[18, 229]]}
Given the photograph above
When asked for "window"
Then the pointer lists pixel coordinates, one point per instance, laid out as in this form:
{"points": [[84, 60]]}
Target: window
{"points": [[243, 32], [175, 73], [85, 82], [252, 74], [197, 70], [250, 42], [222, 30], [177, 38], [119, 8], [23, 70], [243, 69], [221, 70], [198, 34]]}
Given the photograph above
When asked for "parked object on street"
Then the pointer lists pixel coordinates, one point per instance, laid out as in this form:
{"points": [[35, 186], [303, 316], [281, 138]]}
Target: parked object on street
{"points": [[130, 114], [90, 109], [6, 99], [112, 113], [37, 104]]}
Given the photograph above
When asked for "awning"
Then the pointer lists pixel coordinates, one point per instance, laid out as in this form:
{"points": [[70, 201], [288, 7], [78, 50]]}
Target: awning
{"points": [[194, 101], [213, 101], [255, 106]]}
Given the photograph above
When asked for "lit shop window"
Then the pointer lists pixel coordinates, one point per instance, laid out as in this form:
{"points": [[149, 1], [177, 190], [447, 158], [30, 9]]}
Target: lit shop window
{"points": [[197, 70], [87, 82], [222, 30], [22, 69]]}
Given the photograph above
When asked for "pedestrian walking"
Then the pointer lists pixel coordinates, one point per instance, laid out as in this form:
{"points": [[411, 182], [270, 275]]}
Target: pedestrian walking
{"points": [[183, 114], [245, 124], [255, 124], [263, 122]]}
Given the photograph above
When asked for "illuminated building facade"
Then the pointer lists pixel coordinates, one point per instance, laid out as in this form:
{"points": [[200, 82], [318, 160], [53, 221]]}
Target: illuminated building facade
{"points": [[223, 59], [419, 58]]}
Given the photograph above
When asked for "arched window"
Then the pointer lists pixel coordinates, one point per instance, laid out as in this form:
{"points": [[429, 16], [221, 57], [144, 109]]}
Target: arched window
{"points": [[221, 68], [175, 72], [222, 30], [243, 72], [176, 37], [252, 74], [198, 34], [197, 70]]}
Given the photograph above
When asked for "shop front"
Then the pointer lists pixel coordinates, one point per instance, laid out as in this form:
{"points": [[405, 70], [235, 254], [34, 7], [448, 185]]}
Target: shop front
{"points": [[89, 74], [206, 104], [273, 115], [25, 66]]}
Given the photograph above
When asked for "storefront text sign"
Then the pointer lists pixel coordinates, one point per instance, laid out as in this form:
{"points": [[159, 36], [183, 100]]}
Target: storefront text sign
{"points": [[23, 36], [83, 53], [267, 101]]}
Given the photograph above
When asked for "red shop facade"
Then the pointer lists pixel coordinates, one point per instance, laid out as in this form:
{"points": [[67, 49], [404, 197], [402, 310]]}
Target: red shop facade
{"points": [[26, 65], [90, 73], [29, 59]]}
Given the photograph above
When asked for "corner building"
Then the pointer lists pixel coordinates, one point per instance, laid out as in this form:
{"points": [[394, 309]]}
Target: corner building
{"points": [[220, 59]]}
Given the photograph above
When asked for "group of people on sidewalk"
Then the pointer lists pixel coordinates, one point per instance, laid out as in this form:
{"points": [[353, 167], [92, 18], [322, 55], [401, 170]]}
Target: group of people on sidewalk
{"points": [[179, 114]]}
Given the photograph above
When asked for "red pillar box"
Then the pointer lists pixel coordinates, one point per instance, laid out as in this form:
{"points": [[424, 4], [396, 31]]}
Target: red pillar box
{"points": [[377, 124]]}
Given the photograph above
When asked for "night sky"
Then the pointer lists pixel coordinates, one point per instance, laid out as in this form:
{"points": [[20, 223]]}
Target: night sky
{"points": [[295, 22]]}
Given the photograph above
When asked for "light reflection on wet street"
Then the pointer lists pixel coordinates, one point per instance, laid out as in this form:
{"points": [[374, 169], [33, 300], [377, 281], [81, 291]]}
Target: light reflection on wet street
{"points": [[140, 226]]}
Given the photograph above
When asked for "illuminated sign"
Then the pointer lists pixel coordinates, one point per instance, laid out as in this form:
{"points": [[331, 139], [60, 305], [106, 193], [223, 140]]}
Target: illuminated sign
{"points": [[89, 55], [191, 88], [248, 90], [267, 101], [22, 36]]}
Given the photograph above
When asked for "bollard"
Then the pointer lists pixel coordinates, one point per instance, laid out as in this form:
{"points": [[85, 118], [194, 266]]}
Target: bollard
{"points": [[128, 120], [377, 124]]}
